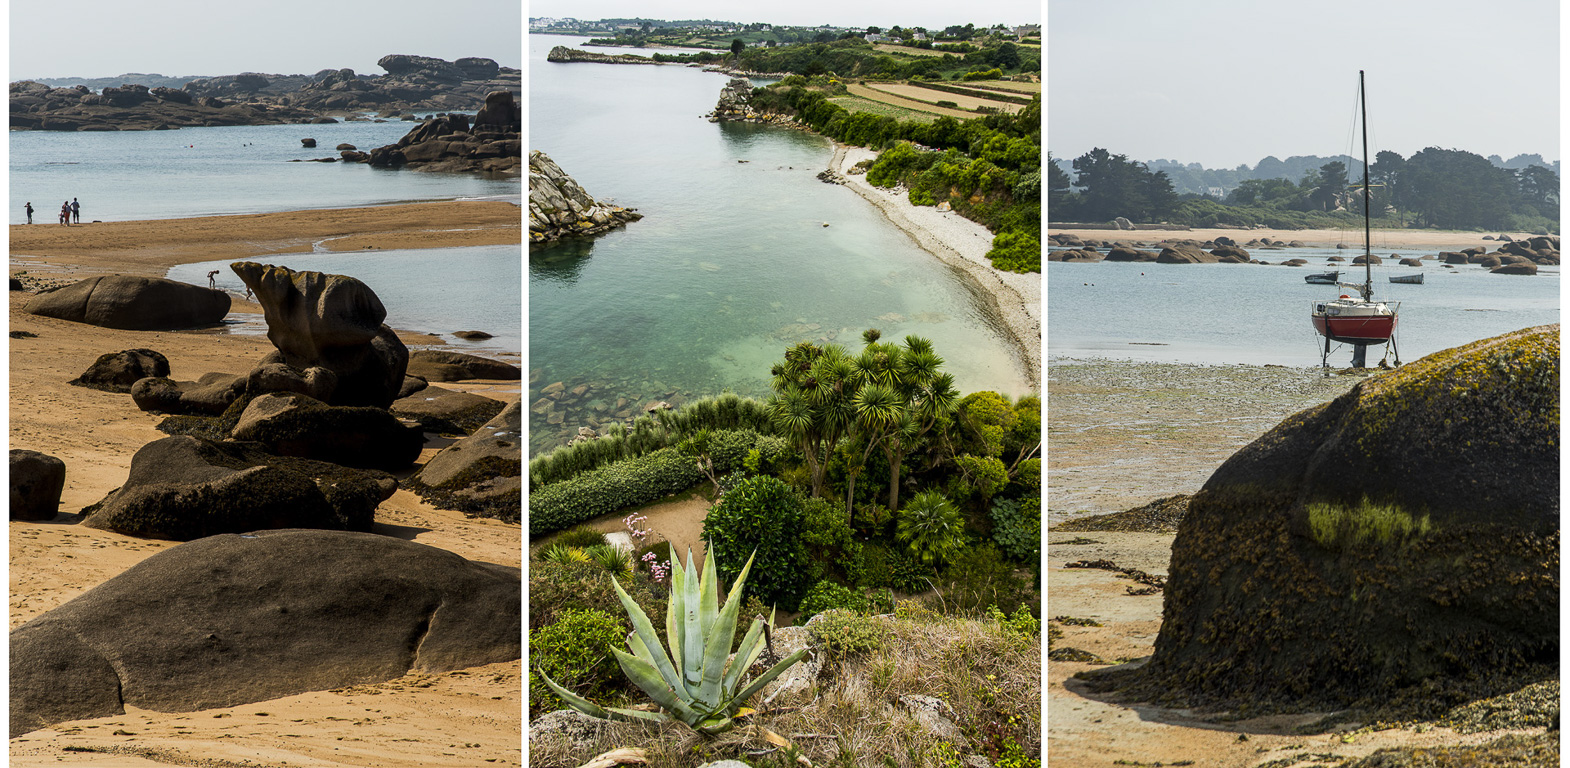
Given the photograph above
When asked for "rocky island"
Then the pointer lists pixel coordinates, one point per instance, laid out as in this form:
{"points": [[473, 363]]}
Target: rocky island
{"points": [[412, 83], [559, 207]]}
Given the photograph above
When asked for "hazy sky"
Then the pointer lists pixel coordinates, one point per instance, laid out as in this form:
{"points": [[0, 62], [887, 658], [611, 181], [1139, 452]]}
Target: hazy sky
{"points": [[857, 13], [1224, 82], [102, 38]]}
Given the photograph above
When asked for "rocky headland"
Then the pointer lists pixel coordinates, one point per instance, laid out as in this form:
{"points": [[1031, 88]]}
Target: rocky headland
{"points": [[411, 83], [491, 143], [559, 207], [735, 105], [561, 54]]}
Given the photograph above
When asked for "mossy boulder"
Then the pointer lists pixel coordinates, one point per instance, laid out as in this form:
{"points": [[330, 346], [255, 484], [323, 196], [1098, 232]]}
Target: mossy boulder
{"points": [[292, 424], [183, 488], [1397, 544], [439, 365], [235, 619], [481, 474], [447, 411]]}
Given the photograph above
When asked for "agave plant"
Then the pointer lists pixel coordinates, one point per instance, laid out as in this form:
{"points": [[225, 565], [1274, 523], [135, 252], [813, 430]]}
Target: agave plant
{"points": [[699, 681]]}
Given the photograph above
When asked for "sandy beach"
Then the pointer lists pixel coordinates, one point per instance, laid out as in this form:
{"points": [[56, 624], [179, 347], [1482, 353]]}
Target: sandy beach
{"points": [[1122, 434], [963, 244], [1405, 239], [462, 718]]}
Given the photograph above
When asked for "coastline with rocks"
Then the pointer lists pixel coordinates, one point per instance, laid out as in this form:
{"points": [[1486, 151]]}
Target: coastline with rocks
{"points": [[105, 439]]}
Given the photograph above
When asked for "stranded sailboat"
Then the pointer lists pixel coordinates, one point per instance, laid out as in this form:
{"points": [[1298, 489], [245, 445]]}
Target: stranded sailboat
{"points": [[1359, 320]]}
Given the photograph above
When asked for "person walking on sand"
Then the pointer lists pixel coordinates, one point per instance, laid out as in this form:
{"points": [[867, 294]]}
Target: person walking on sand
{"points": [[76, 211], [29, 210], [212, 279]]}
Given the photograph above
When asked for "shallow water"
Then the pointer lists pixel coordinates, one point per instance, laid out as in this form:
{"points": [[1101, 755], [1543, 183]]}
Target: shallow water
{"points": [[732, 262], [1241, 313]]}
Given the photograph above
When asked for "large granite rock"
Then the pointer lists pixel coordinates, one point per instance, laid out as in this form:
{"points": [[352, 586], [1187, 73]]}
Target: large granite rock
{"points": [[36, 482], [440, 365], [183, 488], [292, 424], [210, 395], [559, 207], [481, 474], [117, 371], [446, 411], [1400, 543], [492, 144], [333, 322], [132, 303], [234, 619]]}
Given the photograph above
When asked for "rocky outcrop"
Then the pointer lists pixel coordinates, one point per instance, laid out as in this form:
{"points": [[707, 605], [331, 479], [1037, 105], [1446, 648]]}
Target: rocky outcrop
{"points": [[438, 365], [735, 105], [561, 54], [446, 411], [297, 425], [481, 474], [130, 107], [36, 482], [230, 620], [559, 207], [117, 371], [210, 395], [1399, 542], [183, 488], [333, 322], [492, 144], [132, 303]]}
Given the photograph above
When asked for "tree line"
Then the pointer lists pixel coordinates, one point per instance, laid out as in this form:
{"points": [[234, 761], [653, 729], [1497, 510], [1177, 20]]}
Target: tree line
{"points": [[1434, 188]]}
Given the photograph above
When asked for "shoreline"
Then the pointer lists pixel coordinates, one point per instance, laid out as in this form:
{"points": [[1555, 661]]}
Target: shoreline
{"points": [[96, 434], [1404, 239], [1013, 298]]}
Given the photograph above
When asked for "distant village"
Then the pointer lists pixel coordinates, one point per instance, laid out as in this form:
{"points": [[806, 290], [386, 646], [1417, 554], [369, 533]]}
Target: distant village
{"points": [[768, 35]]}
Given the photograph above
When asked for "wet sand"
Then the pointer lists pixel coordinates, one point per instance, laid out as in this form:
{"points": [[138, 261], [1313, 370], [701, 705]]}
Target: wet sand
{"points": [[463, 718]]}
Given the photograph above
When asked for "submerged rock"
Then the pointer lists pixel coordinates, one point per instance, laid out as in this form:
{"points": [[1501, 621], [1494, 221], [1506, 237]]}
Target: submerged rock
{"points": [[235, 619], [1400, 541]]}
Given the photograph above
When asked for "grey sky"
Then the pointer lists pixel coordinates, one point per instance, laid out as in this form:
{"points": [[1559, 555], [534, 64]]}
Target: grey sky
{"points": [[858, 13], [102, 38], [1224, 82]]}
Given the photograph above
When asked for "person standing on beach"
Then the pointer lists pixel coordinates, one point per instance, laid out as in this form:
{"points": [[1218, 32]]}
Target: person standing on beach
{"points": [[29, 210], [76, 211], [65, 213]]}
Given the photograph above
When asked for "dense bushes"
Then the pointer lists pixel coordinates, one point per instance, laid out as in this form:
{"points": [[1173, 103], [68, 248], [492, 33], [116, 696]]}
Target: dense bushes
{"points": [[761, 518], [827, 595], [576, 652], [640, 480], [1016, 528]]}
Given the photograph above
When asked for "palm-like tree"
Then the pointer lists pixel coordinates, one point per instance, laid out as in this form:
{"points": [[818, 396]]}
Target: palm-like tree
{"points": [[931, 526], [813, 402], [902, 396]]}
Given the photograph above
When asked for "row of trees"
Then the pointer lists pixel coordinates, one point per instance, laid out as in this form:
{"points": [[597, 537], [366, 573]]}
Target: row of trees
{"points": [[1441, 188], [854, 57]]}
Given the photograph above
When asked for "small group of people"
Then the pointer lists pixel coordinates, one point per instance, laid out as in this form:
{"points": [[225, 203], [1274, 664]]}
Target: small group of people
{"points": [[69, 212]]}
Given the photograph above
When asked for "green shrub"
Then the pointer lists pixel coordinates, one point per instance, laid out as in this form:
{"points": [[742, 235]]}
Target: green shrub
{"points": [[874, 566], [558, 587], [762, 515], [931, 527], [611, 558], [827, 596], [983, 476], [980, 577], [581, 537], [576, 650], [949, 104], [824, 523], [623, 484], [561, 553], [1016, 528], [841, 635], [1016, 252]]}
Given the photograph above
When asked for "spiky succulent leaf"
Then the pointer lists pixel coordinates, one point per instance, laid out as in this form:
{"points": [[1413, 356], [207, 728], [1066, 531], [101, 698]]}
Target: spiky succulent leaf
{"points": [[675, 609], [574, 700], [643, 675], [645, 631], [638, 714], [764, 679], [691, 649], [724, 630], [746, 653]]}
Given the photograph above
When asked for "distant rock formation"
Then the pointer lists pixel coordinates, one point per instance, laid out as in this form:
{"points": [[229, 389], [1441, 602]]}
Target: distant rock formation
{"points": [[559, 207], [132, 303], [735, 105], [563, 55], [252, 98], [492, 144]]}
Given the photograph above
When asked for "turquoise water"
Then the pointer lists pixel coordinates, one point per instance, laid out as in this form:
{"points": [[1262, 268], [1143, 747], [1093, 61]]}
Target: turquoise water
{"points": [[731, 264], [437, 290], [124, 175], [1240, 313]]}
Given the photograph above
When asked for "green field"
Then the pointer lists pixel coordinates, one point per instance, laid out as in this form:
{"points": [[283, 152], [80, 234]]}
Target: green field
{"points": [[858, 104]]}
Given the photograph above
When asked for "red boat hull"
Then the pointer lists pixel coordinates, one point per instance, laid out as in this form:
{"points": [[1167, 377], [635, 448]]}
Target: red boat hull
{"points": [[1368, 329]]}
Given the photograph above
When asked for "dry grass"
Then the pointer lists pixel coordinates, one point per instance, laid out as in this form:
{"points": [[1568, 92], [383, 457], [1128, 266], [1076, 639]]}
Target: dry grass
{"points": [[1004, 85], [851, 716], [929, 95], [887, 48]]}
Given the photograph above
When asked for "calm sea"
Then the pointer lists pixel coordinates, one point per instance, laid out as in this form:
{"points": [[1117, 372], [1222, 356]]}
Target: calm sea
{"points": [[1240, 313], [732, 262], [129, 175]]}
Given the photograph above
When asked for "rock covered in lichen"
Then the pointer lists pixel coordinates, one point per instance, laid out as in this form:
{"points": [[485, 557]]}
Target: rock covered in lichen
{"points": [[559, 207], [1398, 543]]}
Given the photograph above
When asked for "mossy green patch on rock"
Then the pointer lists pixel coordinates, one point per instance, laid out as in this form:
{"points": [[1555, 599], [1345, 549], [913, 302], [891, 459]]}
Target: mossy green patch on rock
{"points": [[1400, 543]]}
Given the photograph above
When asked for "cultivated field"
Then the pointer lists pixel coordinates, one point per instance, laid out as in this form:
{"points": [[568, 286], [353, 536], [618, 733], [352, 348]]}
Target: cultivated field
{"points": [[930, 96], [872, 94], [858, 104], [1004, 85], [887, 48]]}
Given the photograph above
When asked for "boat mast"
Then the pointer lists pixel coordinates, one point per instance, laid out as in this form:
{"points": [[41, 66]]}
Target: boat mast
{"points": [[1368, 253]]}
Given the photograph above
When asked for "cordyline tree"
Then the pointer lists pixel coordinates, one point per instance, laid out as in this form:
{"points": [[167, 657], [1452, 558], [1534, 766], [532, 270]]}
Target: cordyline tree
{"points": [[889, 396]]}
